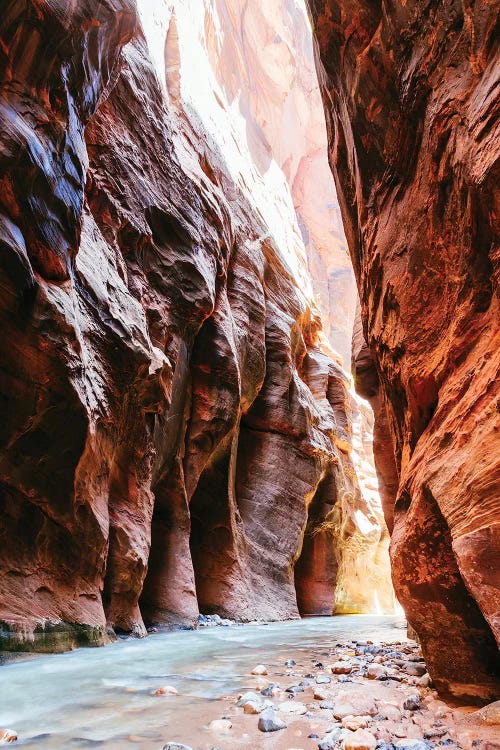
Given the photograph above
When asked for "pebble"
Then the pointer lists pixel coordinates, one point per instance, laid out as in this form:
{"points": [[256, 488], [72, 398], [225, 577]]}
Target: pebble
{"points": [[327, 705], [412, 703], [390, 712], [431, 732], [342, 710], [175, 746], [293, 707], [424, 681], [270, 722], [166, 690], [294, 689], [290, 663], [7, 736], [254, 707], [413, 668], [330, 740], [322, 679], [259, 670], [359, 740], [247, 697], [355, 722], [220, 725], [399, 730], [341, 667], [320, 695], [375, 671], [411, 744], [271, 692]]}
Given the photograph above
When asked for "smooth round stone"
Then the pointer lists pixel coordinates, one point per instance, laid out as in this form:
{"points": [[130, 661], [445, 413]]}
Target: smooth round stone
{"points": [[247, 697], [414, 669], [435, 732], [330, 740], [412, 703], [322, 679], [355, 722], [341, 667], [271, 692], [424, 681], [321, 695], [293, 707], [270, 722], [411, 744], [390, 712], [166, 690], [375, 671], [342, 710], [220, 725], [254, 707], [327, 705], [290, 663], [259, 670], [359, 740], [176, 746], [7, 736]]}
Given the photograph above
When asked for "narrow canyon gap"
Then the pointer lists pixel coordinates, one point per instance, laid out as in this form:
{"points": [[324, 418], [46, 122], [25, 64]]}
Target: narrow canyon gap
{"points": [[411, 98]]}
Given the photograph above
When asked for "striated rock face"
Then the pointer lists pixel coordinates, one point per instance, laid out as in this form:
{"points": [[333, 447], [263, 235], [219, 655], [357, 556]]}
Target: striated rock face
{"points": [[175, 437], [410, 91]]}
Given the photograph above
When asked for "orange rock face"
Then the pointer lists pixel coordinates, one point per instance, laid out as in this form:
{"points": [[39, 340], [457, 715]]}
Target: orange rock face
{"points": [[409, 93], [174, 439]]}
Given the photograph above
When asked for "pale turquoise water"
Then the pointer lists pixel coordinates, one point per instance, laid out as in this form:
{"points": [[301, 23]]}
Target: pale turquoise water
{"points": [[83, 699]]}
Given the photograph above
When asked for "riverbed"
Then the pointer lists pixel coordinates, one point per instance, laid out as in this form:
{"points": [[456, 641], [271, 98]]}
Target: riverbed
{"points": [[103, 698]]}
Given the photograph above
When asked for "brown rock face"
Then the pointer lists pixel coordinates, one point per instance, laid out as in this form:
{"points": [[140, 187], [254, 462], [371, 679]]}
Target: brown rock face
{"points": [[174, 437], [410, 92]]}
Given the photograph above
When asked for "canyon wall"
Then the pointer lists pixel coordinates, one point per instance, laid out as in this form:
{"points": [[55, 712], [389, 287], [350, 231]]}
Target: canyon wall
{"points": [[177, 433], [411, 97]]}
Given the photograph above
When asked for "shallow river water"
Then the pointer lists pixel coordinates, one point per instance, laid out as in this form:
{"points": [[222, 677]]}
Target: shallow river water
{"points": [[102, 698]]}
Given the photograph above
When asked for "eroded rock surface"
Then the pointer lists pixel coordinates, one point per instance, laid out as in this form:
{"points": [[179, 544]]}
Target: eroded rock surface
{"points": [[176, 436], [410, 92]]}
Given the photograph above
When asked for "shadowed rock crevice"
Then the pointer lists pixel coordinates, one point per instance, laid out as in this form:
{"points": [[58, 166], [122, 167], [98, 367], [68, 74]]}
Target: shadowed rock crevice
{"points": [[315, 570]]}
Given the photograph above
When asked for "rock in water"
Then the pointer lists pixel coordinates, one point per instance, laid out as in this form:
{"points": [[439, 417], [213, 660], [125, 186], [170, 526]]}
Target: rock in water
{"points": [[7, 736], [270, 722], [166, 690], [260, 669]]}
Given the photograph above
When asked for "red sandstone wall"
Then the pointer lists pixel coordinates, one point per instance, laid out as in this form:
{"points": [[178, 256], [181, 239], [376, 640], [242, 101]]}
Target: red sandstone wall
{"points": [[169, 419], [410, 93]]}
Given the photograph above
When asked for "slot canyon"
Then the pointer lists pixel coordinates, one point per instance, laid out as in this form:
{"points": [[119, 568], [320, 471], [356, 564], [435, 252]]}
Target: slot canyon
{"points": [[249, 366]]}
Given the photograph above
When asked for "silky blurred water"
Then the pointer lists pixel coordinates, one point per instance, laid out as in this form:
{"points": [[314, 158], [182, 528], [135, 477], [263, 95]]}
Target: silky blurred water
{"points": [[103, 698]]}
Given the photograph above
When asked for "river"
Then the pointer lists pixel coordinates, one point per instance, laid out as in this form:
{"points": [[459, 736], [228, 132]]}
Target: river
{"points": [[102, 698]]}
